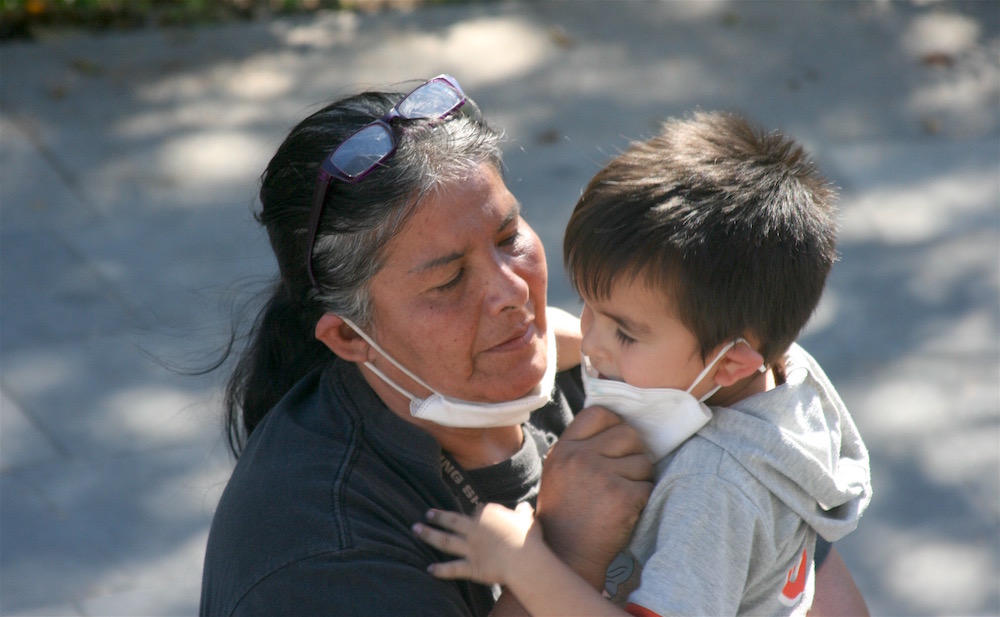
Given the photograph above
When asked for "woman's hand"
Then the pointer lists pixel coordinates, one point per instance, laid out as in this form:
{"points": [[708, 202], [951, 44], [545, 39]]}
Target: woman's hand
{"points": [[492, 544], [595, 482]]}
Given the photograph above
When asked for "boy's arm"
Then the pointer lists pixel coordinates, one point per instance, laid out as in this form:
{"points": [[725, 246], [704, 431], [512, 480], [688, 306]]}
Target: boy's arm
{"points": [[568, 337], [584, 527], [504, 546], [545, 585], [836, 592]]}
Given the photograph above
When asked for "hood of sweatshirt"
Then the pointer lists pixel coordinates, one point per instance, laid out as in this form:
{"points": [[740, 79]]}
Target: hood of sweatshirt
{"points": [[799, 441]]}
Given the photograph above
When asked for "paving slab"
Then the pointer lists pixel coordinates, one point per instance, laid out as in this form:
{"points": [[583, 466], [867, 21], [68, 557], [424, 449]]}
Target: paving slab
{"points": [[129, 163]]}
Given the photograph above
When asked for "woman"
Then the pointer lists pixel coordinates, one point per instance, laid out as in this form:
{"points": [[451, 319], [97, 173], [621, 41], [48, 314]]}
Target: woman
{"points": [[405, 361]]}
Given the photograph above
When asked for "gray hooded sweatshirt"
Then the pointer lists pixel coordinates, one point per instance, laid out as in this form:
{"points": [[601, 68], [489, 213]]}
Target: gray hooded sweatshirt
{"points": [[732, 522]]}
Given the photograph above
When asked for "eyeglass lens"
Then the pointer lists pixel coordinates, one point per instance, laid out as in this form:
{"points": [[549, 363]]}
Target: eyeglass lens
{"points": [[363, 150], [372, 144], [432, 100]]}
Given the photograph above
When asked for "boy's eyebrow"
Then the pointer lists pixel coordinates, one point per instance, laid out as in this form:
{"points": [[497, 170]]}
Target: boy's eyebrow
{"points": [[630, 325], [511, 217]]}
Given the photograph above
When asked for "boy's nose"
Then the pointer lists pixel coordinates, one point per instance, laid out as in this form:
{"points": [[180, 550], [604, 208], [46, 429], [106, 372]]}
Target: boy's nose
{"points": [[589, 345]]}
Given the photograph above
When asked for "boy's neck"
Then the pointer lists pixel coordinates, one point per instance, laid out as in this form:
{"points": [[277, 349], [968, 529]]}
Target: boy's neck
{"points": [[754, 384]]}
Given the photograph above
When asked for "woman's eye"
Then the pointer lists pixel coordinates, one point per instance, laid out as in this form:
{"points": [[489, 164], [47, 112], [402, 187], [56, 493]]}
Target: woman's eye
{"points": [[453, 282], [623, 338], [511, 240]]}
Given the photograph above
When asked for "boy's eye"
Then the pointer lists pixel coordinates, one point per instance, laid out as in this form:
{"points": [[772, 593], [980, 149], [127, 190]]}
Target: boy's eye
{"points": [[623, 338]]}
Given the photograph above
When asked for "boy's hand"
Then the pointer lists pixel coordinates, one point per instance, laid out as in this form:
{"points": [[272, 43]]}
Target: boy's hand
{"points": [[595, 482], [491, 543]]}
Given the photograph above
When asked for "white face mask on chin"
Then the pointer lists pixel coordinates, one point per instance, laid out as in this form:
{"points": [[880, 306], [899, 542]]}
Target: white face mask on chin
{"points": [[663, 417], [448, 411]]}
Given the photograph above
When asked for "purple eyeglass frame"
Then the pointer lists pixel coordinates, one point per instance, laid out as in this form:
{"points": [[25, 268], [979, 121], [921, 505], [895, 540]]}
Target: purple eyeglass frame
{"points": [[330, 170]]}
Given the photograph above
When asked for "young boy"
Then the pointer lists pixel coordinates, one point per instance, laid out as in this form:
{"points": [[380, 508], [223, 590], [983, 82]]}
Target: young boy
{"points": [[699, 254]]}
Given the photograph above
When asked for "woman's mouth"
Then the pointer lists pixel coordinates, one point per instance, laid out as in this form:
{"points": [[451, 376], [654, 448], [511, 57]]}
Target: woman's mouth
{"points": [[520, 340]]}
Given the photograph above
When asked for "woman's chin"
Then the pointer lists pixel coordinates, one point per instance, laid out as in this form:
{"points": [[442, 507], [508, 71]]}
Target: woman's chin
{"points": [[525, 384], [515, 377]]}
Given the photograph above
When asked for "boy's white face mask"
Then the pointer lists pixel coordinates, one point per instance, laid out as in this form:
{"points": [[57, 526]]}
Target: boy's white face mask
{"points": [[663, 417], [448, 411]]}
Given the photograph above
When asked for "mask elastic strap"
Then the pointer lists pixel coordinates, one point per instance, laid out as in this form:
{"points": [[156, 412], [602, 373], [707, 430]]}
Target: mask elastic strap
{"points": [[391, 383], [391, 360]]}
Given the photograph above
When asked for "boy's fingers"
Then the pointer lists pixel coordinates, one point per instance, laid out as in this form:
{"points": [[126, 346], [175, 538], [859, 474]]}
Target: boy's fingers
{"points": [[459, 568], [441, 540], [452, 521]]}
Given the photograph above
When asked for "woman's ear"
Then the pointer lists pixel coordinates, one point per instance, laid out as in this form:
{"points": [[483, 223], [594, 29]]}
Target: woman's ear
{"points": [[740, 362], [341, 338]]}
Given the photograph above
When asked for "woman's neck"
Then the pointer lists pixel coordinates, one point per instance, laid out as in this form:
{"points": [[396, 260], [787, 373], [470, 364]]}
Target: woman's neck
{"points": [[480, 447]]}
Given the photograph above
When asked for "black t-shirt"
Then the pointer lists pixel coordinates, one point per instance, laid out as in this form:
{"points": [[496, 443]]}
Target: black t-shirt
{"points": [[316, 517]]}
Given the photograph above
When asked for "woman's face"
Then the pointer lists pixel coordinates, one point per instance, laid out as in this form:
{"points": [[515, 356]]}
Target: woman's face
{"points": [[460, 300]]}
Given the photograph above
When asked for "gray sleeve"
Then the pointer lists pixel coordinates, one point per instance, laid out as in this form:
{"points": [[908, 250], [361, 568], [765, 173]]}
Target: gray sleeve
{"points": [[703, 550]]}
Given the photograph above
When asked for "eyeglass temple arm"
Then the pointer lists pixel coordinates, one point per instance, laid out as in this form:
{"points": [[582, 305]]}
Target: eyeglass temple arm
{"points": [[319, 196]]}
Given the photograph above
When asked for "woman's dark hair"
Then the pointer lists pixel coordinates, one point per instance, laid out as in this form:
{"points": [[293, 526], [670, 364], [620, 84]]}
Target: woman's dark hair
{"points": [[734, 224], [358, 221]]}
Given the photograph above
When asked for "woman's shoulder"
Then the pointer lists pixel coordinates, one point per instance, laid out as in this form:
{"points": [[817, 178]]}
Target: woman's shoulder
{"points": [[313, 490]]}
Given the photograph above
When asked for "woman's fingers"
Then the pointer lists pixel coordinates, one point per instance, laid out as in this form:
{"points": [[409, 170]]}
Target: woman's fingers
{"points": [[524, 509], [604, 432], [588, 422], [636, 467]]}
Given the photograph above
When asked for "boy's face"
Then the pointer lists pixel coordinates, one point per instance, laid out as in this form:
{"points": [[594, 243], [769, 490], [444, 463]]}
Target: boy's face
{"points": [[634, 336]]}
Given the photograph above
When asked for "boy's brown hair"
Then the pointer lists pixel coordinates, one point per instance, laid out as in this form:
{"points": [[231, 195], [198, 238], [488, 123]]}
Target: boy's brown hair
{"points": [[735, 224]]}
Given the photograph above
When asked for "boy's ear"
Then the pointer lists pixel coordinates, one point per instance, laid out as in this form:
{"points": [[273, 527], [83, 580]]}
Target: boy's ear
{"points": [[341, 338], [740, 362]]}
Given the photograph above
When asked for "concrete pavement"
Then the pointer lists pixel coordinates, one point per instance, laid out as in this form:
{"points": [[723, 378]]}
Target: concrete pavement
{"points": [[128, 166]]}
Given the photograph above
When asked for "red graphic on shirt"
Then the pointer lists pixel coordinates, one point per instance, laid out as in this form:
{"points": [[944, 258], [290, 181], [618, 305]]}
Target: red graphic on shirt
{"points": [[639, 611], [795, 584]]}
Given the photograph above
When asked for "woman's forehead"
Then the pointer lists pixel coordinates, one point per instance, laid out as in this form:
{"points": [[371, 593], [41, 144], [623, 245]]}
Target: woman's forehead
{"points": [[458, 226], [476, 206]]}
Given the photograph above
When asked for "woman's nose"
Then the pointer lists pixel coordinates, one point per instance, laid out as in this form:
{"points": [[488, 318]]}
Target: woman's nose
{"points": [[506, 288]]}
